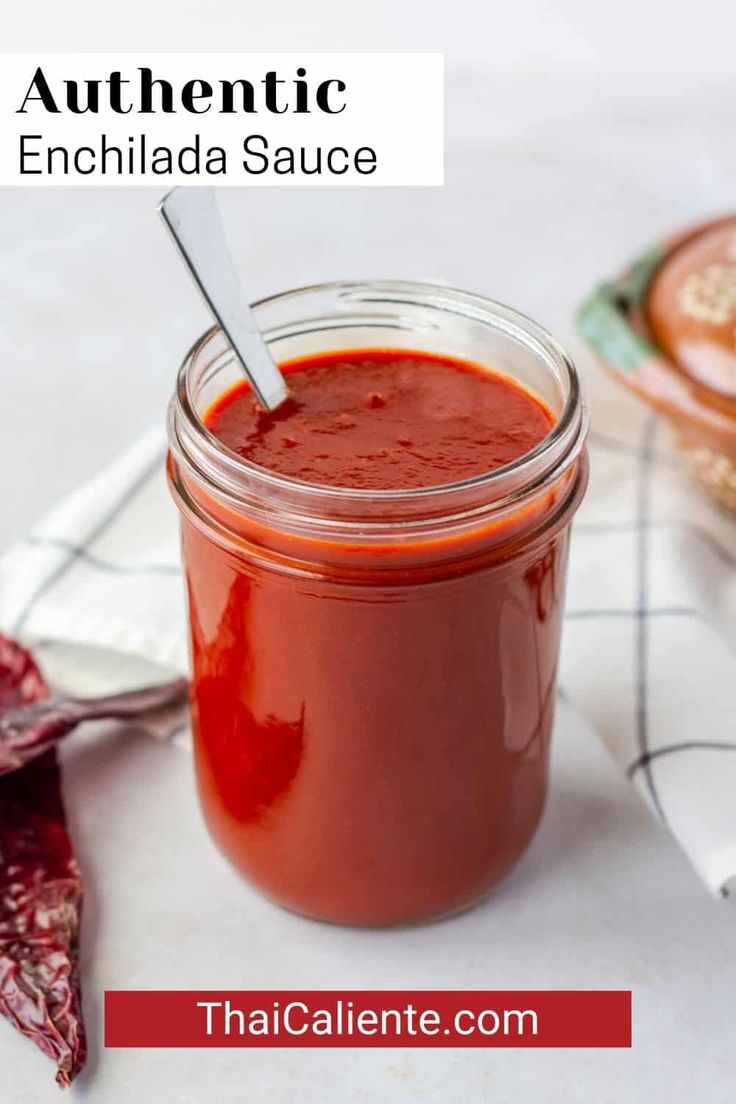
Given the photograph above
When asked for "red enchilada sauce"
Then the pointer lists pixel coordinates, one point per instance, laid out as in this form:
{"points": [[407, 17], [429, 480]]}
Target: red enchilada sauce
{"points": [[371, 733], [383, 420]]}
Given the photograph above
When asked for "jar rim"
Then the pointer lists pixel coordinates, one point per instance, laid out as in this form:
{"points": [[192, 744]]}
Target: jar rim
{"points": [[192, 441]]}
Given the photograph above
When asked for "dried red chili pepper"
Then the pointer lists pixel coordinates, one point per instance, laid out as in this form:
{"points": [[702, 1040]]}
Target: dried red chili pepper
{"points": [[40, 891]]}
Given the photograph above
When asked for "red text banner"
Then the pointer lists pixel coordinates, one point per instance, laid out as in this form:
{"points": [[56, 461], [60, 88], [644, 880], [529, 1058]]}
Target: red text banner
{"points": [[329, 1018]]}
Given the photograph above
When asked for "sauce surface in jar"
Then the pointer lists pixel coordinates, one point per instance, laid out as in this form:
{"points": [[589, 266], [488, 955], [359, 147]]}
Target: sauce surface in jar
{"points": [[371, 740], [383, 419]]}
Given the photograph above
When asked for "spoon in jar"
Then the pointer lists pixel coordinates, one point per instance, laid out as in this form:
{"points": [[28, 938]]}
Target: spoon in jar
{"points": [[193, 220]]}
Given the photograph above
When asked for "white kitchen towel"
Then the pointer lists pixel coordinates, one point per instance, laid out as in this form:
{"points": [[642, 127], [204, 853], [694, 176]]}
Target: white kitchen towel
{"points": [[649, 649], [96, 588]]}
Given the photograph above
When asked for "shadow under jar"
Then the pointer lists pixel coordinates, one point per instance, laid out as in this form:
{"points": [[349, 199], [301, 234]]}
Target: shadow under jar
{"points": [[373, 672]]}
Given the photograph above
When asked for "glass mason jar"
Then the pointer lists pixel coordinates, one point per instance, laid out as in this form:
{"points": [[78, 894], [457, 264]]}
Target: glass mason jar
{"points": [[373, 672]]}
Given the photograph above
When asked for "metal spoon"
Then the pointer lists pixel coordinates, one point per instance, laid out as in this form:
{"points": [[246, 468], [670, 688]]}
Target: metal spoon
{"points": [[193, 220], [29, 730]]}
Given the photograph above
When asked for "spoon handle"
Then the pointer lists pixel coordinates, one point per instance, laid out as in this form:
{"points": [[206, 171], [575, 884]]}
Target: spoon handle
{"points": [[29, 730], [193, 220]]}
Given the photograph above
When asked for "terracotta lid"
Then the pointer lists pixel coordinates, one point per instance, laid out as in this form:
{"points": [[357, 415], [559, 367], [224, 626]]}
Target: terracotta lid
{"points": [[690, 309], [666, 328]]}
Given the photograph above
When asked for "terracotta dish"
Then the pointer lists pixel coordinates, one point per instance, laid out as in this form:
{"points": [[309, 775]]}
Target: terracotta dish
{"points": [[667, 329]]}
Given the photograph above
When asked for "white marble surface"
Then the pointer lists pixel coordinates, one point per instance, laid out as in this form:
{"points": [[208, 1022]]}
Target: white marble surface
{"points": [[524, 36], [551, 183], [601, 899]]}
